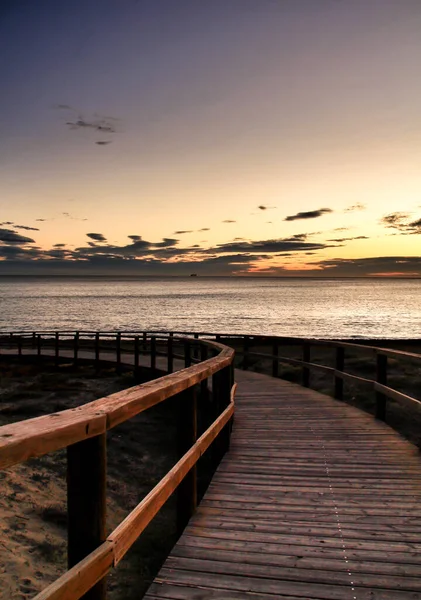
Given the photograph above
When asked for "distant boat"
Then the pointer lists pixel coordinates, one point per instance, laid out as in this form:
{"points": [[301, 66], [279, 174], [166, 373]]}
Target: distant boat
{"points": [[193, 274]]}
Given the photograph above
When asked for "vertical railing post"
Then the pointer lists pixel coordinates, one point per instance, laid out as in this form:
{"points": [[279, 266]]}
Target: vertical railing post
{"points": [[225, 391], [20, 346], [118, 352], [56, 349], [136, 356], [86, 503], [196, 346], [246, 353], [187, 355], [34, 339], [275, 361], [97, 351], [170, 358], [221, 392], [145, 342], [153, 354], [306, 370], [75, 348], [39, 344], [187, 436], [381, 377], [204, 390], [339, 366]]}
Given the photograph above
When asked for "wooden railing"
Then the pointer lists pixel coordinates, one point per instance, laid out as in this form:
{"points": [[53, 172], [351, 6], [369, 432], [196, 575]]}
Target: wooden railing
{"points": [[338, 372], [91, 555], [82, 430]]}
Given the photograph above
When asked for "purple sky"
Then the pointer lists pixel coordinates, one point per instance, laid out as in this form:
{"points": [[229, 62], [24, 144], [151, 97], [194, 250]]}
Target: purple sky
{"points": [[235, 122]]}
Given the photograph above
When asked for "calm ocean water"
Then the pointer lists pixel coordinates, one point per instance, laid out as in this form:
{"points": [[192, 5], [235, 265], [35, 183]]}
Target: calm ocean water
{"points": [[368, 308]]}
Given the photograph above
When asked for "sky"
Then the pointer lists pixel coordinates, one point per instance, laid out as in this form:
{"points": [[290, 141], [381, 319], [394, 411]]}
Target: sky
{"points": [[220, 137]]}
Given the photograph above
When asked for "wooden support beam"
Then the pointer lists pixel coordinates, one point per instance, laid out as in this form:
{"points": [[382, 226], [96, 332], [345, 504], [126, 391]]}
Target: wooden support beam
{"points": [[97, 351], [339, 366], [170, 359], [245, 353], [118, 352], [56, 349], [306, 370], [381, 377], [187, 436], [275, 361], [187, 354], [153, 354], [136, 356], [75, 348], [86, 503]]}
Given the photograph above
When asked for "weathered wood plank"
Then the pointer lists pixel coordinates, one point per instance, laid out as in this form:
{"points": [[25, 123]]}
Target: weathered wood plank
{"points": [[308, 503]]}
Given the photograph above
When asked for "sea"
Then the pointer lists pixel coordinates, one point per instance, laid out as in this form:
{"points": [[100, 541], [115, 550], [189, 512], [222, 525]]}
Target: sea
{"points": [[316, 308]]}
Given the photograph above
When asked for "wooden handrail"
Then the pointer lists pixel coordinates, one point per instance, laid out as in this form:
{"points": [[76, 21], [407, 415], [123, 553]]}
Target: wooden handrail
{"points": [[83, 431], [78, 580], [75, 427], [36, 437]]}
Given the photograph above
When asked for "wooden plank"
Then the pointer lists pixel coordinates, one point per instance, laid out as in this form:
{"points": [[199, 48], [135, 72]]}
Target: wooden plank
{"points": [[312, 495]]}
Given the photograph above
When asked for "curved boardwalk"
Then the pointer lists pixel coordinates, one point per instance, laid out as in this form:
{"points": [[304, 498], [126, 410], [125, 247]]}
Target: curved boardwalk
{"points": [[315, 499]]}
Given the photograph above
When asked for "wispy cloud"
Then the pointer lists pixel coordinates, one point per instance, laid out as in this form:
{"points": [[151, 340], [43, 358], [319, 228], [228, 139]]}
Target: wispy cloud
{"points": [[97, 237], [355, 207], [402, 222], [311, 214]]}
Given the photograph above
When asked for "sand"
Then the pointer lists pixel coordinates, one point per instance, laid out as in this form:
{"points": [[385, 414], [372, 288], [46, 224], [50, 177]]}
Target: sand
{"points": [[33, 525]]}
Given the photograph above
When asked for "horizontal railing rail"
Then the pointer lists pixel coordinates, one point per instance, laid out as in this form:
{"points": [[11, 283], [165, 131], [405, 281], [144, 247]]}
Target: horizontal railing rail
{"points": [[189, 361], [82, 430]]}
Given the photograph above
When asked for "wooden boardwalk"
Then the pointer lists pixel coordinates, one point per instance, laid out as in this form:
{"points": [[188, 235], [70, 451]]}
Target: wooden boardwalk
{"points": [[315, 499]]}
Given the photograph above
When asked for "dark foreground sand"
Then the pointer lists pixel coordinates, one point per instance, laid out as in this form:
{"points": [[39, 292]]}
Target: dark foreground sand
{"points": [[33, 495]]}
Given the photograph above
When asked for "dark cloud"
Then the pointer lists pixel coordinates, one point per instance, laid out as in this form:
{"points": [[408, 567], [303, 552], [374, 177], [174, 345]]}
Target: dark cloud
{"points": [[6, 223], [11, 237], [263, 207], [380, 265], [103, 125], [104, 143], [279, 245], [204, 229], [229, 221], [349, 239], [59, 245], [97, 237], [135, 238], [26, 227], [43, 220], [311, 214], [402, 222], [354, 207], [298, 237], [181, 231], [166, 242]]}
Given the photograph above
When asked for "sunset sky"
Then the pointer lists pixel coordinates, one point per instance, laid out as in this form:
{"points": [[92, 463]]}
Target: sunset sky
{"points": [[166, 137]]}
